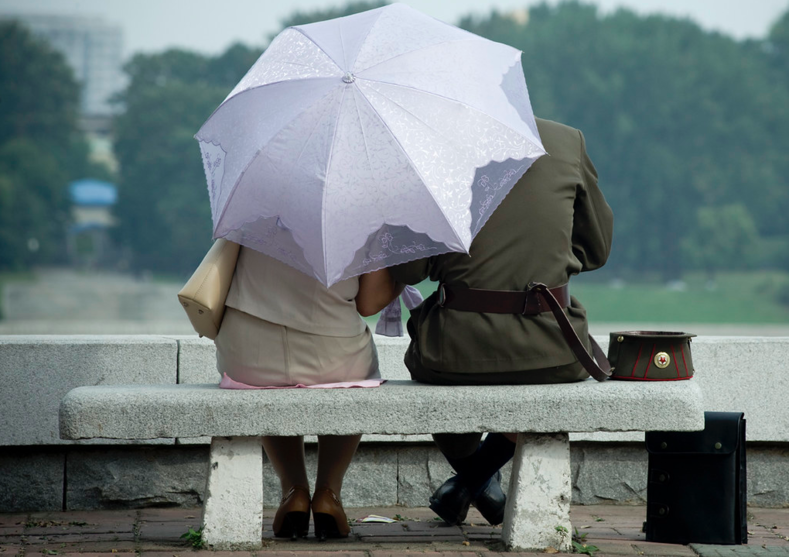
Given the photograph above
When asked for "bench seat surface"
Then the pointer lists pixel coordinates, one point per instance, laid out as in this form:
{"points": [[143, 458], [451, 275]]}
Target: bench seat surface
{"points": [[397, 407]]}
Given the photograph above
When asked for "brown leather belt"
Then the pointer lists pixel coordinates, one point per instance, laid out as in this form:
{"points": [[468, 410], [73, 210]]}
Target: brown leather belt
{"points": [[537, 298], [525, 302]]}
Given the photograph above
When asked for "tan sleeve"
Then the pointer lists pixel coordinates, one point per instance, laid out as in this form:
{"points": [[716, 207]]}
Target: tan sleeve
{"points": [[593, 221]]}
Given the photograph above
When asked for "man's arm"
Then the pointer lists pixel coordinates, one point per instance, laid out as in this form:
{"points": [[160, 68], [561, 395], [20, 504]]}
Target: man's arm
{"points": [[593, 221], [412, 272]]}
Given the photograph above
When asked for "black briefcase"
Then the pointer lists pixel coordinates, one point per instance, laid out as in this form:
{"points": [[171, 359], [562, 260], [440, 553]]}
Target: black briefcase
{"points": [[696, 489]]}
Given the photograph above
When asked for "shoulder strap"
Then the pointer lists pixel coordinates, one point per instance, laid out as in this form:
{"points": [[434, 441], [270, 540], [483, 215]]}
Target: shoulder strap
{"points": [[599, 372]]}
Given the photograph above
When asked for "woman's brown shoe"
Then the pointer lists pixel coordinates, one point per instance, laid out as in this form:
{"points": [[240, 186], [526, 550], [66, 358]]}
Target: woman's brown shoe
{"points": [[330, 519], [293, 515]]}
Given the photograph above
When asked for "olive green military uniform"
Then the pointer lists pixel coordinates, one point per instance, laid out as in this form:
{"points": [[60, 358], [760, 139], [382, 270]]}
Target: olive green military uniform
{"points": [[555, 223]]}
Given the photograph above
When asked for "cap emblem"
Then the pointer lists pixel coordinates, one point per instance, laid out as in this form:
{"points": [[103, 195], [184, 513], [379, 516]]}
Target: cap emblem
{"points": [[662, 360]]}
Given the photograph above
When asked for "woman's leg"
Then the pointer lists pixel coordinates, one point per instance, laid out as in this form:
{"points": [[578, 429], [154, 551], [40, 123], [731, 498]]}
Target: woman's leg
{"points": [[287, 457], [335, 453]]}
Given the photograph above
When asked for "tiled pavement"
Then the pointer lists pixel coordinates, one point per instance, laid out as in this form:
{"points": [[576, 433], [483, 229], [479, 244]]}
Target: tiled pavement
{"points": [[615, 530]]}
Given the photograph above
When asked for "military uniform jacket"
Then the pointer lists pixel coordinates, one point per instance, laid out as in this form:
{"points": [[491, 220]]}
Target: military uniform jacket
{"points": [[554, 224]]}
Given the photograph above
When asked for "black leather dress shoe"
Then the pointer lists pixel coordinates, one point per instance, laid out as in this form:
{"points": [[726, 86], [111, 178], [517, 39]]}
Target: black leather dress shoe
{"points": [[451, 501], [491, 501]]}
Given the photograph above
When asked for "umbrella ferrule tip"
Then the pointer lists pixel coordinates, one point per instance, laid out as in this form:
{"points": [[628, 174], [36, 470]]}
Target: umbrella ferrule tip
{"points": [[349, 77]]}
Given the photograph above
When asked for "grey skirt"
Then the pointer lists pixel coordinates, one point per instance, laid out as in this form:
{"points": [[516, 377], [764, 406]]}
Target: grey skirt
{"points": [[264, 354]]}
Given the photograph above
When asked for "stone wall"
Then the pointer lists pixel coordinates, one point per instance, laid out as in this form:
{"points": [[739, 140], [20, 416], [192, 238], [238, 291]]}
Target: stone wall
{"points": [[39, 471]]}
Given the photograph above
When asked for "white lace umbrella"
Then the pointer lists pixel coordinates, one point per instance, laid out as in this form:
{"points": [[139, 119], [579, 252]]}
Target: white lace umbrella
{"points": [[367, 141]]}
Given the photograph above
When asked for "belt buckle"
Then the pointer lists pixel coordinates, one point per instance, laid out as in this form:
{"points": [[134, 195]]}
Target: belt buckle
{"points": [[442, 295]]}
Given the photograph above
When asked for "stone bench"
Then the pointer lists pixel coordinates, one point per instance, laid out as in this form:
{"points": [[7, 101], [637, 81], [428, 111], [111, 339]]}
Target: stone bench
{"points": [[540, 488]]}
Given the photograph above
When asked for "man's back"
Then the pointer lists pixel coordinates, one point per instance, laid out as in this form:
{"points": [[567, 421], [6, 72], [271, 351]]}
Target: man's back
{"points": [[553, 224]]}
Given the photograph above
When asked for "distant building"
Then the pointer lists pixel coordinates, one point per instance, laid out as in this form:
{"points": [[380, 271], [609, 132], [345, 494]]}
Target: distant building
{"points": [[88, 238], [94, 50]]}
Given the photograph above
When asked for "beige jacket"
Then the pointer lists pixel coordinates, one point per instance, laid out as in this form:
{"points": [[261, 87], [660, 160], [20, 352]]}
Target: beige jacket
{"points": [[275, 292]]}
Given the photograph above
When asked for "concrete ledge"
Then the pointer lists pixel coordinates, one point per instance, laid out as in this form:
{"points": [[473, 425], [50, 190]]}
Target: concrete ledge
{"points": [[735, 374], [37, 372], [398, 407]]}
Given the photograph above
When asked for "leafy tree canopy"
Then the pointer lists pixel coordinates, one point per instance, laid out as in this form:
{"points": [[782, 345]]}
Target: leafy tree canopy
{"points": [[41, 150]]}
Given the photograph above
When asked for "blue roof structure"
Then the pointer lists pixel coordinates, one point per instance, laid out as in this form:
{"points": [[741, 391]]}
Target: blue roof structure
{"points": [[93, 193]]}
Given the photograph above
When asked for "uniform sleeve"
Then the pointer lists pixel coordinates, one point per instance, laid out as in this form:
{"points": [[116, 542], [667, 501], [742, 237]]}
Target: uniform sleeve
{"points": [[593, 220], [412, 272]]}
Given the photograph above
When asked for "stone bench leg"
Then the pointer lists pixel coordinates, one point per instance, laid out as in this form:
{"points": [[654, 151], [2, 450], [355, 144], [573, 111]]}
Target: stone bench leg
{"points": [[539, 495], [233, 509]]}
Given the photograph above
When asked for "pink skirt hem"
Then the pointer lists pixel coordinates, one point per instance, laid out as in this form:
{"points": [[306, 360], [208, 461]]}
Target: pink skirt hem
{"points": [[228, 383]]}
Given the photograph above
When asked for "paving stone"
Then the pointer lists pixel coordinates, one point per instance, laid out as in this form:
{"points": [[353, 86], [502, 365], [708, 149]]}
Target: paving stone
{"points": [[614, 547], [88, 522], [411, 539], [603, 534], [377, 529], [299, 553], [706, 550], [170, 514], [433, 527], [85, 546], [10, 550], [651, 548], [194, 553], [398, 553], [510, 554], [481, 533], [166, 531], [57, 538], [117, 554], [13, 520]]}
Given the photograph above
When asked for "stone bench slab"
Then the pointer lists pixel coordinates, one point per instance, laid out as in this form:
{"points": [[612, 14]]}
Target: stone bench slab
{"points": [[397, 407], [538, 504]]}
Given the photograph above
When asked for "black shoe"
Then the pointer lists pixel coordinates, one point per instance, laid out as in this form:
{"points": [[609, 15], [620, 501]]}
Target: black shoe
{"points": [[451, 501], [491, 501]]}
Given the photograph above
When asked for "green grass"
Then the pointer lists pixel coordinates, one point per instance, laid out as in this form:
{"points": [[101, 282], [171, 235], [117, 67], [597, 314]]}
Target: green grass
{"points": [[746, 298], [7, 277], [738, 297]]}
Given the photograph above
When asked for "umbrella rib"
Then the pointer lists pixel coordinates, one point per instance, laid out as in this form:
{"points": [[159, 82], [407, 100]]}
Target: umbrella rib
{"points": [[448, 140], [364, 136], [319, 46], [416, 49], [342, 45], [255, 88], [413, 166], [251, 160], [422, 91], [326, 182]]}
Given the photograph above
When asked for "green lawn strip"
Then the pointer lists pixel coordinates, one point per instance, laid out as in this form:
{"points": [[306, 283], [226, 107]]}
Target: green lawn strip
{"points": [[737, 297], [8, 277]]}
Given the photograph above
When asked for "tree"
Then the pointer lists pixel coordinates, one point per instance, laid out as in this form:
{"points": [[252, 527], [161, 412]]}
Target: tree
{"points": [[778, 45], [303, 18], [41, 149], [675, 118], [163, 205], [163, 208], [725, 238]]}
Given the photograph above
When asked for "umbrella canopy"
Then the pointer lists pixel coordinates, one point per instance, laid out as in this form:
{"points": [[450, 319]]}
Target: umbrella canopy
{"points": [[368, 141]]}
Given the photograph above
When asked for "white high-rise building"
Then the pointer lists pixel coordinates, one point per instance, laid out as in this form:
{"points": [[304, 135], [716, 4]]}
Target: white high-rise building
{"points": [[94, 50]]}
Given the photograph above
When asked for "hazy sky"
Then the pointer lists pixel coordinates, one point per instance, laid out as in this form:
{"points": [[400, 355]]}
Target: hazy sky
{"points": [[210, 26]]}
